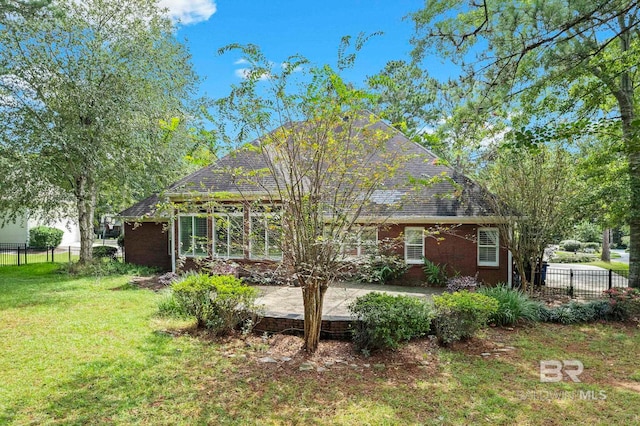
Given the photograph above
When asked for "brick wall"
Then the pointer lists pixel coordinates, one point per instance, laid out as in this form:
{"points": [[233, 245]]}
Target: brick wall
{"points": [[457, 248], [147, 243]]}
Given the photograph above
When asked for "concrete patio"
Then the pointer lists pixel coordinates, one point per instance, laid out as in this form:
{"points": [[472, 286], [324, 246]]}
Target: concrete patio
{"points": [[286, 302]]}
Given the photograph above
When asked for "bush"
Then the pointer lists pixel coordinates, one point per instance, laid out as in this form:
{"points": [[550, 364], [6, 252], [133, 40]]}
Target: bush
{"points": [[380, 268], [592, 245], [459, 315], [45, 237], [570, 245], [624, 302], [104, 267], [384, 321], [435, 273], [108, 252], [576, 313], [513, 305], [462, 283], [572, 258], [120, 241], [220, 303], [587, 231]]}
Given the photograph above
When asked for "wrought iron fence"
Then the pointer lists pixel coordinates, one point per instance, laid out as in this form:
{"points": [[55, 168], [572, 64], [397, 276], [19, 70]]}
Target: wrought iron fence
{"points": [[21, 254], [577, 282]]}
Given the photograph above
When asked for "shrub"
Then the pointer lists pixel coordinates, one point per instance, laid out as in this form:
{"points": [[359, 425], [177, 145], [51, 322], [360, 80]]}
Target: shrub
{"points": [[380, 268], [45, 237], [513, 305], [435, 273], [571, 245], [462, 283], [459, 315], [120, 241], [104, 267], [384, 321], [576, 313], [219, 303], [626, 241], [100, 252], [591, 245], [624, 302], [572, 258]]}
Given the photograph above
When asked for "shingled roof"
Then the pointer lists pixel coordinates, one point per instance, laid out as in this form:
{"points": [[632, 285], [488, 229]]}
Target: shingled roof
{"points": [[399, 196]]}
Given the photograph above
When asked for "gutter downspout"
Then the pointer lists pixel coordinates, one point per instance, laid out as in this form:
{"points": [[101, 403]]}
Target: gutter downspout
{"points": [[173, 244]]}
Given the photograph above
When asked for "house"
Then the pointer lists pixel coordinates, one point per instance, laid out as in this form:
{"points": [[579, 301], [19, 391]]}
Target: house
{"points": [[448, 222], [17, 231]]}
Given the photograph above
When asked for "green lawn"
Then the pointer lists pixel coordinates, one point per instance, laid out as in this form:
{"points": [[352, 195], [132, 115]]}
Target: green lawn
{"points": [[91, 351]]}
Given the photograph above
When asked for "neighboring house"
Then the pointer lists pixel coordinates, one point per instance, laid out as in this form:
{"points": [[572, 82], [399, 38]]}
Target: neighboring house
{"points": [[17, 232], [241, 227]]}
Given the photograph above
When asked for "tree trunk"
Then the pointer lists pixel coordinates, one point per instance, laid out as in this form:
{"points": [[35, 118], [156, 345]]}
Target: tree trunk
{"points": [[606, 250], [85, 203], [313, 292]]}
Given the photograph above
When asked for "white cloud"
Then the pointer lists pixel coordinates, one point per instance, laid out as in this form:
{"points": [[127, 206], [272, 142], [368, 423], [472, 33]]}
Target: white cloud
{"points": [[285, 65], [245, 73], [189, 11], [241, 61]]}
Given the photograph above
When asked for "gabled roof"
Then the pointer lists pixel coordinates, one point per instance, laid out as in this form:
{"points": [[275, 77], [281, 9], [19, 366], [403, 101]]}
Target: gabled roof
{"points": [[143, 209], [399, 196]]}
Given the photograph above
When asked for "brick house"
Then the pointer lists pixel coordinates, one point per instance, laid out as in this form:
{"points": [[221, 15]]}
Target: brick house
{"points": [[213, 213]]}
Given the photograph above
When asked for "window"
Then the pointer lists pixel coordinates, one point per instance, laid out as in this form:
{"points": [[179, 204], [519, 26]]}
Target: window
{"points": [[265, 236], [413, 245], [228, 235], [192, 235], [488, 253], [363, 241]]}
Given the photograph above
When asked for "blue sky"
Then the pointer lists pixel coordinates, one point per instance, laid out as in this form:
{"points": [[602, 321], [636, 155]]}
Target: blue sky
{"points": [[284, 28]]}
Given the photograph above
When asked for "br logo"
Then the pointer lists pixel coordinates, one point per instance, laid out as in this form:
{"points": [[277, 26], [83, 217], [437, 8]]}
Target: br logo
{"points": [[554, 370]]}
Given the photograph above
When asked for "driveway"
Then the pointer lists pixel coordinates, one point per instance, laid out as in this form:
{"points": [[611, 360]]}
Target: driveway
{"points": [[624, 256]]}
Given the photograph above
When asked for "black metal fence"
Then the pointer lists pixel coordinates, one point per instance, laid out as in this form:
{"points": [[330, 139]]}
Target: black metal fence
{"points": [[22, 254], [579, 283]]}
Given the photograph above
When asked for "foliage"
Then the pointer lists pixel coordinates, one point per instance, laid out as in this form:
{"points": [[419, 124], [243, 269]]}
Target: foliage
{"points": [[513, 305], [435, 273], [624, 302], [459, 315], [105, 251], [45, 237], [385, 322], [587, 231], [564, 257], [572, 64], [120, 241], [570, 245], [531, 189], [105, 267], [219, 303], [379, 268], [94, 100], [577, 313], [461, 283]]}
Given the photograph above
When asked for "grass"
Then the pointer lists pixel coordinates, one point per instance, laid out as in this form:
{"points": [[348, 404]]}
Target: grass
{"points": [[616, 266], [80, 351]]}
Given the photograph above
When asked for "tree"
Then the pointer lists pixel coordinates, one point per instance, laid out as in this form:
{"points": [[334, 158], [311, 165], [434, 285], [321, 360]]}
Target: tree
{"points": [[531, 188], [547, 60], [93, 97], [324, 155]]}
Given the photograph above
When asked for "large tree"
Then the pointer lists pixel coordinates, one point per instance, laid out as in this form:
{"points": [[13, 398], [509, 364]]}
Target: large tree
{"points": [[546, 60], [325, 153], [93, 94]]}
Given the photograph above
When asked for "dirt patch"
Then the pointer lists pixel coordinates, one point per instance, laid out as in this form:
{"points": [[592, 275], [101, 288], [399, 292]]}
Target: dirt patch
{"points": [[148, 283]]}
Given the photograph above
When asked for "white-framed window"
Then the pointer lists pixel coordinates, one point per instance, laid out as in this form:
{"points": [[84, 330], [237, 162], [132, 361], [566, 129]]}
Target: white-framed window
{"points": [[192, 234], [488, 247], [228, 234], [413, 245], [362, 241], [265, 236]]}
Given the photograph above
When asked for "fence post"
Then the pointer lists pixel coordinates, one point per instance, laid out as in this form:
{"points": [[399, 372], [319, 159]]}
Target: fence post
{"points": [[69, 254], [571, 283], [26, 253], [610, 279], [18, 255]]}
